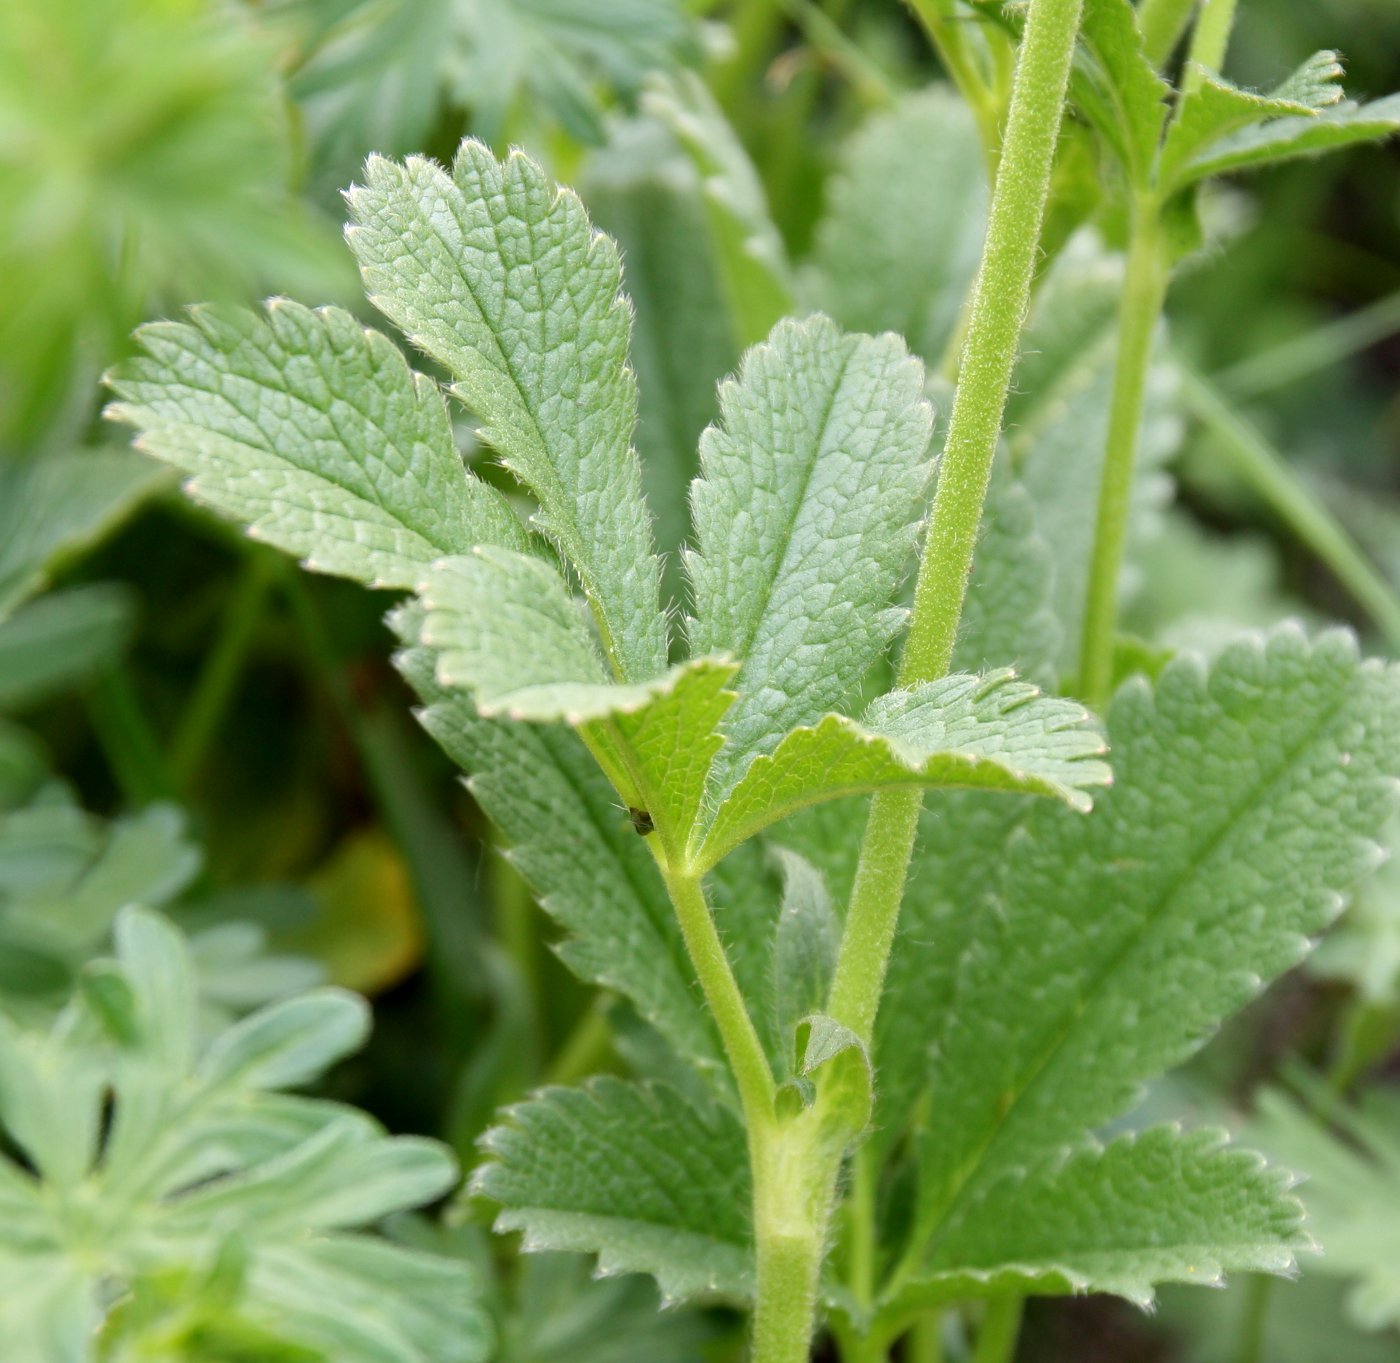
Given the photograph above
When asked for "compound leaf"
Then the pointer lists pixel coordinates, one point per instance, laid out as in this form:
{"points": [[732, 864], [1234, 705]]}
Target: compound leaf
{"points": [[498, 275], [630, 1172], [805, 516], [315, 434], [992, 733]]}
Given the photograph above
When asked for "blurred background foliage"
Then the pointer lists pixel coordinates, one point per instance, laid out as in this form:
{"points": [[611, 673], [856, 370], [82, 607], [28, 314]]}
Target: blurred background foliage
{"points": [[187, 721]]}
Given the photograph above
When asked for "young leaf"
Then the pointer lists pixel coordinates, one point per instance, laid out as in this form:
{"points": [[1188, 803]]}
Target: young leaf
{"points": [[498, 275], [1245, 803], [1215, 109], [805, 942], [1283, 139], [992, 733], [902, 234], [632, 1173], [571, 839], [805, 515], [315, 434], [1160, 1206]]}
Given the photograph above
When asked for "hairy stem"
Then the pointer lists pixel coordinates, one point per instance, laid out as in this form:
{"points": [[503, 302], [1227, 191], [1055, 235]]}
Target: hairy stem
{"points": [[1000, 300], [1140, 309], [1209, 43], [925, 1342], [1268, 474]]}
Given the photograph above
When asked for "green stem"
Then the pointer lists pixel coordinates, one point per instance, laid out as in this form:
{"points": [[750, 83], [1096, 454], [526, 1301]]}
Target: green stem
{"points": [[1162, 23], [925, 1343], [1209, 43], [126, 737], [726, 1002], [860, 1210], [996, 1343], [587, 1049], [218, 680], [1000, 299], [947, 32], [1252, 1323], [1268, 473], [1140, 310]]}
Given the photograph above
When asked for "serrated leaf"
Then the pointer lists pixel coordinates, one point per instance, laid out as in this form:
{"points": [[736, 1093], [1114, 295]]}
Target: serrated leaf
{"points": [[1215, 109], [1160, 1206], [1349, 1158], [989, 732], [59, 641], [498, 275], [902, 233], [1118, 88], [1284, 139], [749, 251], [1244, 804], [805, 516], [315, 434], [632, 1173], [57, 506], [572, 841]]}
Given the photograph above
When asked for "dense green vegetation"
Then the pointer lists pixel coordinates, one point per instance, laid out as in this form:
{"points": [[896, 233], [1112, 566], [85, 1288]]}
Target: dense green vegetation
{"points": [[894, 513]]}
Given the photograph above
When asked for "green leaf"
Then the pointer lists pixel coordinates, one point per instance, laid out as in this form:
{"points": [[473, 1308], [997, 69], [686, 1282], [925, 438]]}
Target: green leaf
{"points": [[498, 275], [632, 1173], [805, 518], [1215, 109], [1284, 139], [61, 640], [1117, 88], [749, 251], [315, 434], [1159, 1206], [223, 1204], [57, 506], [572, 841], [991, 733], [1108, 948], [805, 943], [1350, 1160], [902, 234]]}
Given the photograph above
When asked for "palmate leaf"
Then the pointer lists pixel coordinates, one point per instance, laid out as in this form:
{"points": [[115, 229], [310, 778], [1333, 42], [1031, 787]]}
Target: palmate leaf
{"points": [[498, 275], [209, 1198], [630, 1172], [991, 732], [805, 516], [315, 434], [1107, 948]]}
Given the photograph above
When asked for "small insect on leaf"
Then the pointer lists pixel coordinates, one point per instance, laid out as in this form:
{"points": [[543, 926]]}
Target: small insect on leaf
{"points": [[641, 821]]}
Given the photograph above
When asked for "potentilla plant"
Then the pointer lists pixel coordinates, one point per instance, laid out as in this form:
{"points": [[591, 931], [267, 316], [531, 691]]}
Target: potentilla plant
{"points": [[855, 1119]]}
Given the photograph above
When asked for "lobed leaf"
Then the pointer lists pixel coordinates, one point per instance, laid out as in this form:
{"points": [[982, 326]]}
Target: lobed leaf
{"points": [[315, 434], [805, 517], [992, 733], [498, 275], [632, 1173]]}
